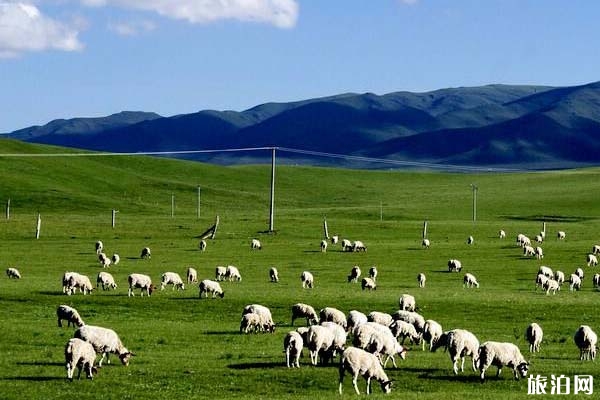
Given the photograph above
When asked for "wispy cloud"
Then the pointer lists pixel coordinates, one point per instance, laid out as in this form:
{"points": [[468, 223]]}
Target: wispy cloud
{"points": [[408, 2], [23, 28], [280, 13], [132, 28]]}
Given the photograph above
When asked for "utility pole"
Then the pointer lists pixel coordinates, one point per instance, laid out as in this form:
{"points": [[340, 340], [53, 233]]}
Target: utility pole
{"points": [[272, 205], [198, 204], [474, 188]]}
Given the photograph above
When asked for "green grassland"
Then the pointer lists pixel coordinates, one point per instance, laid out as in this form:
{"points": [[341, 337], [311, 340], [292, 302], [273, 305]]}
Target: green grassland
{"points": [[192, 349]]}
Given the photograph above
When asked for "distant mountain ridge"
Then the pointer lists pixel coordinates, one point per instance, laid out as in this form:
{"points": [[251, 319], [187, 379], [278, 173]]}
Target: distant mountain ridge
{"points": [[514, 126]]}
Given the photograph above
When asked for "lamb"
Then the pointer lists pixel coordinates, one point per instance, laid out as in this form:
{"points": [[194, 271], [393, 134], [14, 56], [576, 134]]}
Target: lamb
{"points": [[274, 274], [255, 244], [432, 331], [373, 273], [358, 246], [425, 243], [13, 273], [308, 281], [596, 280], [454, 265], [541, 280], [501, 354], [546, 271], [265, 314], [381, 318], [232, 273], [592, 260], [579, 273], [575, 282], [145, 254], [335, 239], [407, 302], [383, 342], [586, 339], [354, 274], [559, 277], [250, 323], [171, 278], [213, 287], [560, 235], [470, 281], [69, 314], [104, 260], [368, 284], [80, 354], [292, 346], [115, 259], [539, 253], [402, 330], [106, 280], [539, 239], [596, 249], [346, 245], [320, 342], [81, 282], [528, 251], [534, 335], [357, 361], [192, 275], [333, 315], [411, 317], [551, 286], [202, 245], [421, 278], [220, 273], [301, 310], [355, 318], [141, 281], [501, 234], [470, 240], [105, 341], [323, 245], [460, 343], [99, 247]]}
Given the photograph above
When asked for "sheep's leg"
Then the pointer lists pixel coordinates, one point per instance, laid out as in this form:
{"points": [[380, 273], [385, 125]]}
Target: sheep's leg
{"points": [[462, 364], [354, 378], [69, 371], [287, 357], [499, 371], [369, 385]]}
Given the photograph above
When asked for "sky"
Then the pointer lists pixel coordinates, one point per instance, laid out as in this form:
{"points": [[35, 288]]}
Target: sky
{"points": [[90, 58]]}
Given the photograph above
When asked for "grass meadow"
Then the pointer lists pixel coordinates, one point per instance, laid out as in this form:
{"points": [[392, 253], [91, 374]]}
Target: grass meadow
{"points": [[192, 349]]}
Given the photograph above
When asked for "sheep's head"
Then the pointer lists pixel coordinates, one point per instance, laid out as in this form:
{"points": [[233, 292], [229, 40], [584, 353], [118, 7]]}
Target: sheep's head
{"points": [[386, 387], [151, 289], [522, 369], [222, 294], [124, 357]]}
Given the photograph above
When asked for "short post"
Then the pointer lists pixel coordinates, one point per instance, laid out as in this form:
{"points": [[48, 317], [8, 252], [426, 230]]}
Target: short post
{"points": [[198, 204], [272, 197], [544, 228], [424, 229], [8, 210], [474, 187], [38, 226], [172, 205], [380, 211], [114, 217], [325, 230]]}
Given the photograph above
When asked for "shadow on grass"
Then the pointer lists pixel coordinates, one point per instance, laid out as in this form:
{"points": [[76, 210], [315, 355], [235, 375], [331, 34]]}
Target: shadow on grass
{"points": [[257, 365], [54, 293], [47, 363], [237, 333], [35, 378]]}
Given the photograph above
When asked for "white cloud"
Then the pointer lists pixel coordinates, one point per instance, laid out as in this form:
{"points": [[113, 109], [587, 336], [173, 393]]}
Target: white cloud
{"points": [[281, 13], [409, 2], [24, 28], [132, 28]]}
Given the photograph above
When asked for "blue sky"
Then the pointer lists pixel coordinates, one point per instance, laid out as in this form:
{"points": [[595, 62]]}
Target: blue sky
{"points": [[86, 58]]}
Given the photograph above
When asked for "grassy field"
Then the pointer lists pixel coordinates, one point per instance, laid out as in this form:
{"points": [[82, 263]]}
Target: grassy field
{"points": [[192, 349]]}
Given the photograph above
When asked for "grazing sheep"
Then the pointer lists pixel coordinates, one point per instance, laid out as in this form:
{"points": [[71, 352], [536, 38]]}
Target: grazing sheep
{"points": [[99, 247], [69, 314], [501, 354], [255, 244], [106, 280], [539, 253], [320, 342], [192, 275], [591, 260], [354, 274], [523, 240], [411, 317], [265, 315], [373, 273], [141, 281], [213, 287], [301, 310], [355, 318], [202, 245], [560, 235], [596, 249], [274, 274], [171, 278], [379, 317], [358, 246], [421, 278], [333, 315], [546, 271], [432, 331], [145, 254], [425, 243], [65, 281], [81, 282], [339, 336], [250, 323], [80, 354], [460, 343], [539, 238], [115, 259], [13, 273], [292, 345], [575, 282], [501, 234], [363, 333], [335, 239], [541, 280], [596, 280], [323, 245], [232, 273], [368, 284], [528, 251], [308, 281], [346, 245], [454, 265], [220, 273], [403, 330], [407, 302], [586, 339], [551, 286], [383, 342], [470, 281], [470, 240], [579, 273], [105, 341], [559, 277], [534, 336], [104, 260], [360, 362]]}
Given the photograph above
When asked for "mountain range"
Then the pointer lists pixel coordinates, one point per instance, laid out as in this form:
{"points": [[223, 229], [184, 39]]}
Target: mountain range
{"points": [[493, 126]]}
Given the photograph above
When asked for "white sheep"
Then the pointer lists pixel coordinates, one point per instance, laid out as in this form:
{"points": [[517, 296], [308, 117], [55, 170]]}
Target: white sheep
{"points": [[323, 245], [320, 342], [383, 343], [99, 247], [333, 315], [470, 281], [373, 273], [274, 274], [421, 279], [596, 280], [339, 336], [13, 273], [586, 339], [470, 240], [141, 281], [105, 341], [355, 318], [501, 234], [528, 251], [579, 273], [596, 249], [559, 277], [79, 281], [171, 278], [502, 354], [65, 281], [220, 273], [454, 265], [425, 243], [560, 235], [80, 354], [523, 240], [292, 346], [360, 362], [411, 317], [551, 286], [534, 335], [362, 333], [368, 284], [301, 310], [459, 343], [335, 239], [539, 239], [232, 273], [213, 287], [379, 317], [115, 259], [432, 331], [106, 280], [592, 260], [358, 246], [146, 254], [575, 282], [407, 302], [69, 314], [250, 323], [104, 260], [265, 315], [539, 253], [546, 271], [346, 245], [192, 275], [354, 274], [308, 281], [202, 245], [255, 244], [541, 280], [403, 330]]}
